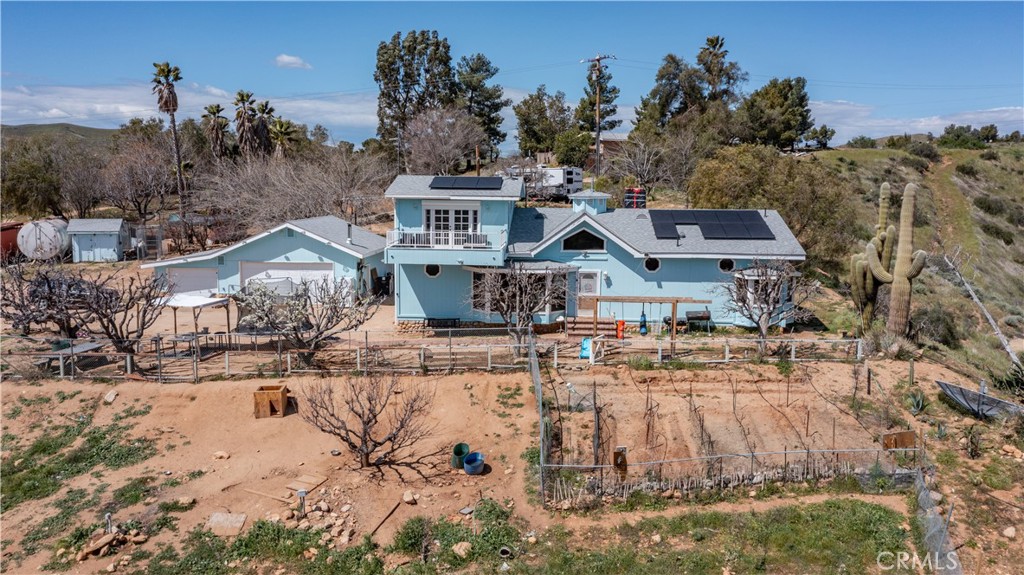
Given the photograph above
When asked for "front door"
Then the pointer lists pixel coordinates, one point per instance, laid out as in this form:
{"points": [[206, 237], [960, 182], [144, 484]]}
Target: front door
{"points": [[588, 284]]}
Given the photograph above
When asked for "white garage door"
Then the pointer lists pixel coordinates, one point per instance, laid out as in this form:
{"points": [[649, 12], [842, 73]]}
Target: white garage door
{"points": [[283, 277], [193, 281]]}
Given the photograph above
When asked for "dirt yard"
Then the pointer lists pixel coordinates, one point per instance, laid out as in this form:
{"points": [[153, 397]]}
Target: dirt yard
{"points": [[187, 425], [190, 423]]}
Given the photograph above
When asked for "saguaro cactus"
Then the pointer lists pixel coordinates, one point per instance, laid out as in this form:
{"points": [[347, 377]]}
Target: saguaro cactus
{"points": [[907, 266], [863, 287]]}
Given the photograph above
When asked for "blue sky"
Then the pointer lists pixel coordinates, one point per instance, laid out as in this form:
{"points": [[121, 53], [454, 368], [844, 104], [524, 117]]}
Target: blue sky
{"points": [[873, 68]]}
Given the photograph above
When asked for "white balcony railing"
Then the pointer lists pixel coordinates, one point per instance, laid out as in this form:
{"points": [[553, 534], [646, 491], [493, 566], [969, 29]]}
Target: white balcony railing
{"points": [[446, 239]]}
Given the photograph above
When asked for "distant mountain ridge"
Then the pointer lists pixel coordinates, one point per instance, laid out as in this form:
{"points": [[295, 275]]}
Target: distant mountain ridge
{"points": [[99, 137]]}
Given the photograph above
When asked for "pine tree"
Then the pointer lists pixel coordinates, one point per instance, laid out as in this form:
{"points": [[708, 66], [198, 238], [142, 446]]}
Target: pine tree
{"points": [[482, 102], [586, 120]]}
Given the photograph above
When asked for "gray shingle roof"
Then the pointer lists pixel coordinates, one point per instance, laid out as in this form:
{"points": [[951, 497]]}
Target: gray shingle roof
{"points": [[406, 186], [532, 226], [589, 194], [94, 225], [329, 228], [335, 229]]}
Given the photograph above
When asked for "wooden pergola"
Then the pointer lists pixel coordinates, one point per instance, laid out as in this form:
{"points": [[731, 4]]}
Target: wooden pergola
{"points": [[675, 301]]}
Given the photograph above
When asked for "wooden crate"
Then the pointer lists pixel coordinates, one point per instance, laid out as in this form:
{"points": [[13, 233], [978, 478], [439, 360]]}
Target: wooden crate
{"points": [[270, 401]]}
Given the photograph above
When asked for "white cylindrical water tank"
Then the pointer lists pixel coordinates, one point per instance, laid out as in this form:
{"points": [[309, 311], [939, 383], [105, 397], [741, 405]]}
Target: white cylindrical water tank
{"points": [[44, 239]]}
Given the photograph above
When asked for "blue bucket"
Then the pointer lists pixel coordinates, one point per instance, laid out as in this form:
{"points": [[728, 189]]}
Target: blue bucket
{"points": [[474, 463]]}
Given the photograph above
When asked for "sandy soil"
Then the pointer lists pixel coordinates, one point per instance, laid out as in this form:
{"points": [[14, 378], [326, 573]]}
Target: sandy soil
{"points": [[191, 422]]}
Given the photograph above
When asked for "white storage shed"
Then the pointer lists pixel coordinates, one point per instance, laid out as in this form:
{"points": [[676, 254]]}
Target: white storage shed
{"points": [[98, 240]]}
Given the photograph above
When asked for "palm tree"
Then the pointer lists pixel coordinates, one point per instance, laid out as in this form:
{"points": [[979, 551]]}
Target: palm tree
{"points": [[282, 134], [261, 126], [167, 101], [244, 116], [215, 127]]}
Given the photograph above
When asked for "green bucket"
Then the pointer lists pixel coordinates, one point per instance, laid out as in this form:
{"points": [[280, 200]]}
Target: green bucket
{"points": [[459, 453]]}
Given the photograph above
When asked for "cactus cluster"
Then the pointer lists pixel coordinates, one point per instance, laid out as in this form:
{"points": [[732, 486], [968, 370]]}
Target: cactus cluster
{"points": [[863, 287], [880, 264]]}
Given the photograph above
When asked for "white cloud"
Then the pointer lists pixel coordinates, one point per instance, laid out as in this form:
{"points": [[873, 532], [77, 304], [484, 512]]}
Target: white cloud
{"points": [[286, 61], [850, 119]]}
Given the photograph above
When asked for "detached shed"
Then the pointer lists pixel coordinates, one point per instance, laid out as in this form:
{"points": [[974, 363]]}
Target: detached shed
{"points": [[98, 240]]}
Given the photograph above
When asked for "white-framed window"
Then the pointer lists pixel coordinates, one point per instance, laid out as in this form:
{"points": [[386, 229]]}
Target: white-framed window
{"points": [[451, 217], [583, 241], [432, 270], [652, 265]]}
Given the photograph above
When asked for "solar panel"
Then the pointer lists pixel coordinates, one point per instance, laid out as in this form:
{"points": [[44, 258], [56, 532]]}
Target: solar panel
{"points": [[441, 182], [684, 217], [750, 216], [729, 217], [712, 231], [489, 183], [760, 231], [735, 231], [464, 183], [706, 216]]}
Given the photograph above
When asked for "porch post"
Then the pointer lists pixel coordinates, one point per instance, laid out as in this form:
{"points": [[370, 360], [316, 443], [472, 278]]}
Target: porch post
{"points": [[672, 350]]}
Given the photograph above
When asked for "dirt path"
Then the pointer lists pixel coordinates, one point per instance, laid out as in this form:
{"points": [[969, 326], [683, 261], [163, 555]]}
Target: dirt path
{"points": [[897, 503]]}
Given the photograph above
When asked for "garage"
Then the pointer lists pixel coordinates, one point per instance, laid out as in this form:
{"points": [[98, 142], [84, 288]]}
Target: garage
{"points": [[283, 277], [193, 281]]}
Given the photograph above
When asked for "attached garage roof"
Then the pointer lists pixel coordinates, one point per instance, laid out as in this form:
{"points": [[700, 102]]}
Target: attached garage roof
{"points": [[330, 230]]}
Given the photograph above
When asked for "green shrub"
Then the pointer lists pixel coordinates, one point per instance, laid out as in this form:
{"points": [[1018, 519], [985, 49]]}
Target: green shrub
{"points": [[934, 322], [990, 205], [914, 163], [997, 232], [412, 536], [924, 150], [967, 169], [991, 155], [861, 142], [898, 142], [641, 363]]}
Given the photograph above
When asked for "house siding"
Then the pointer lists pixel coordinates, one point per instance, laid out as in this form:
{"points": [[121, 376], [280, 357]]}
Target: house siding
{"points": [[624, 275], [278, 247]]}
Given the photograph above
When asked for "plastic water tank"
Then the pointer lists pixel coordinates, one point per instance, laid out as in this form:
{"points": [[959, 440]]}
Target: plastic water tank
{"points": [[44, 239]]}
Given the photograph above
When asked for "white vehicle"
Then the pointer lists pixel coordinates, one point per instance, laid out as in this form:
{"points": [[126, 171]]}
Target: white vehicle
{"points": [[563, 181]]}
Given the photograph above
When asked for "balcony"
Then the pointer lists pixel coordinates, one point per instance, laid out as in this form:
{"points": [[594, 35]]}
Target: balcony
{"points": [[446, 247]]}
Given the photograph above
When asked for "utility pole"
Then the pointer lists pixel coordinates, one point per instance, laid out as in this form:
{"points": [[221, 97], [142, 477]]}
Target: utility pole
{"points": [[597, 67]]}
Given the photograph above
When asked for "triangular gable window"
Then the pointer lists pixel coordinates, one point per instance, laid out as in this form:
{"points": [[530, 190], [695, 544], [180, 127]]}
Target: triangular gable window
{"points": [[583, 241]]}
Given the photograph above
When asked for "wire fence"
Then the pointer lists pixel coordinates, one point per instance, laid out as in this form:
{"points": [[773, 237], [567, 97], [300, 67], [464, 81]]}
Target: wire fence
{"points": [[606, 350], [198, 356], [573, 486], [941, 554]]}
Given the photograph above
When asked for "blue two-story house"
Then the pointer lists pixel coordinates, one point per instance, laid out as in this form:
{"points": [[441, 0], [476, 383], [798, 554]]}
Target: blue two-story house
{"points": [[624, 262]]}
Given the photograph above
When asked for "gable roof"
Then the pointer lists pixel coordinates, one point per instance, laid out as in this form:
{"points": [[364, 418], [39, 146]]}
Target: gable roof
{"points": [[330, 230], [533, 229], [94, 225], [418, 187]]}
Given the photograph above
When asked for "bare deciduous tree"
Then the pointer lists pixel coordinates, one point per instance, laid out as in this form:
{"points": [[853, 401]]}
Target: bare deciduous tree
{"points": [[42, 293], [306, 315], [137, 178], [120, 305], [767, 293], [253, 195], [375, 418], [680, 159], [437, 140], [518, 293], [641, 157], [81, 176]]}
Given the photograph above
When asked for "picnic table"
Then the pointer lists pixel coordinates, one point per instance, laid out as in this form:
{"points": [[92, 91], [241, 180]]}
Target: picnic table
{"points": [[64, 356]]}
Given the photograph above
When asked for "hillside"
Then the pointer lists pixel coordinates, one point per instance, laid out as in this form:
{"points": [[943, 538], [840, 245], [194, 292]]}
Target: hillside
{"points": [[971, 201], [99, 137]]}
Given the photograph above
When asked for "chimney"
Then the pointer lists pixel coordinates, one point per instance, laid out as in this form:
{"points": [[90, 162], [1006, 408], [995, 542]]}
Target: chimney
{"points": [[348, 235]]}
